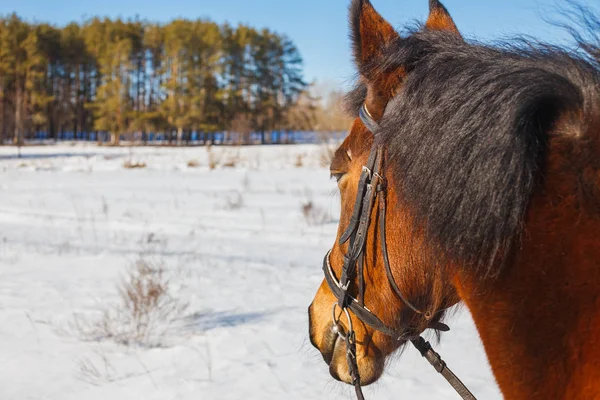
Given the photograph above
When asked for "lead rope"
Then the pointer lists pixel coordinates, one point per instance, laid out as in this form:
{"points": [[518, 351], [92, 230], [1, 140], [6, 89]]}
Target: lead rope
{"points": [[353, 364], [424, 347], [442, 368], [426, 351]]}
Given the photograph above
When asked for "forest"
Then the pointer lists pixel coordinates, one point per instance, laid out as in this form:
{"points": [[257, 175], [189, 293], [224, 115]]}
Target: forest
{"points": [[130, 79]]}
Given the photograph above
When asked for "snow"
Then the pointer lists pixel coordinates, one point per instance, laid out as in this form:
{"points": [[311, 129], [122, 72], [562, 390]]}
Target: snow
{"points": [[73, 220]]}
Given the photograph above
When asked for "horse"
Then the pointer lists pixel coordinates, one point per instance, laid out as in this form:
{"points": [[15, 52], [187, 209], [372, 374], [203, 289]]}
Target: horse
{"points": [[470, 175]]}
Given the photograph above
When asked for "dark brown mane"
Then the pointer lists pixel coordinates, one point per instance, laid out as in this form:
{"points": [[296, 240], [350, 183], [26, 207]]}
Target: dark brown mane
{"points": [[468, 133]]}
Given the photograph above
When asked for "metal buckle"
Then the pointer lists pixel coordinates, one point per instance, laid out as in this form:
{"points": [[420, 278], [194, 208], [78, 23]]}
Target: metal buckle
{"points": [[368, 171], [336, 322]]}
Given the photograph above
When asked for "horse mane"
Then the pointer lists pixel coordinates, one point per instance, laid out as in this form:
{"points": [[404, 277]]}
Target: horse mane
{"points": [[468, 133]]}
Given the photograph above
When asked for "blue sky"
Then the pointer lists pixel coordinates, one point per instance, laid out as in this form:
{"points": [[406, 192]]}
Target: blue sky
{"points": [[318, 27]]}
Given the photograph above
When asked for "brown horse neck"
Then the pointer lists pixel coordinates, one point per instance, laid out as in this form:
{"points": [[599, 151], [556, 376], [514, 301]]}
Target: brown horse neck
{"points": [[540, 319]]}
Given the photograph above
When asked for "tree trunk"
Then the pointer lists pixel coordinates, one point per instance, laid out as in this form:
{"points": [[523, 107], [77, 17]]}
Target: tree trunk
{"points": [[2, 118], [179, 136], [18, 137]]}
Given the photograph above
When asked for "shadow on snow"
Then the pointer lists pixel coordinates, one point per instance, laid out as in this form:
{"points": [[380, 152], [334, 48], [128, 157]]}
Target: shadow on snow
{"points": [[39, 156], [204, 321]]}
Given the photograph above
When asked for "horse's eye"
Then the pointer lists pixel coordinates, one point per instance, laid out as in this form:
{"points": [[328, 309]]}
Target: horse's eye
{"points": [[337, 175]]}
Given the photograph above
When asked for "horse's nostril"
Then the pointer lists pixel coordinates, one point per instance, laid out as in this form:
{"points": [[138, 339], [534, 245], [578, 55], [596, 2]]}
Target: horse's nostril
{"points": [[330, 337]]}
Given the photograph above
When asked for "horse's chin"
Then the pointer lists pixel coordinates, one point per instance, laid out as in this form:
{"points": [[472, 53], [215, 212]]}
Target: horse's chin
{"points": [[370, 368]]}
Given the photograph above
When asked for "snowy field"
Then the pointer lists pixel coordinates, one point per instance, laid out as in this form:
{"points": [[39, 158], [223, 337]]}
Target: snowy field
{"points": [[241, 258]]}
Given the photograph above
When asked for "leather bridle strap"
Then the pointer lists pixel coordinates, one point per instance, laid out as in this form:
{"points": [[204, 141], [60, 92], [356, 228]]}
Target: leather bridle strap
{"points": [[356, 233], [368, 120], [372, 185], [361, 312], [386, 260], [440, 366]]}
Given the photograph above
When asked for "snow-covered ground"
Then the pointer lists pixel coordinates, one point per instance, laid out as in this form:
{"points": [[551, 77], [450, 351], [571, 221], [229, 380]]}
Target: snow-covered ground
{"points": [[248, 262]]}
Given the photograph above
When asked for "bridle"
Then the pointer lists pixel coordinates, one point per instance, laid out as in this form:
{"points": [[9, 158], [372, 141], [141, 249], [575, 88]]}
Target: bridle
{"points": [[372, 186]]}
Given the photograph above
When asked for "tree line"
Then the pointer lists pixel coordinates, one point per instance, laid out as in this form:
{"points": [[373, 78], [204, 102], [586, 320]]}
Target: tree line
{"points": [[131, 78]]}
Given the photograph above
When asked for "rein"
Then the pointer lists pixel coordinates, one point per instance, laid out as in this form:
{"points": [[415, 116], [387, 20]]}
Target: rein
{"points": [[372, 186]]}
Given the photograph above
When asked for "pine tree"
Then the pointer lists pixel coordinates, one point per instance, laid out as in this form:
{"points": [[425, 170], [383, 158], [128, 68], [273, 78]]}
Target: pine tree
{"points": [[133, 78]]}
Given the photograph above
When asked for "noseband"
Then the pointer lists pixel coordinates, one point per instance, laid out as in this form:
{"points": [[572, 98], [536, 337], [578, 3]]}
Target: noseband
{"points": [[372, 186]]}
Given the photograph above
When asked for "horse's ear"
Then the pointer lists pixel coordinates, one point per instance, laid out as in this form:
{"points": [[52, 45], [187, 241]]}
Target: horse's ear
{"points": [[369, 32], [439, 18]]}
